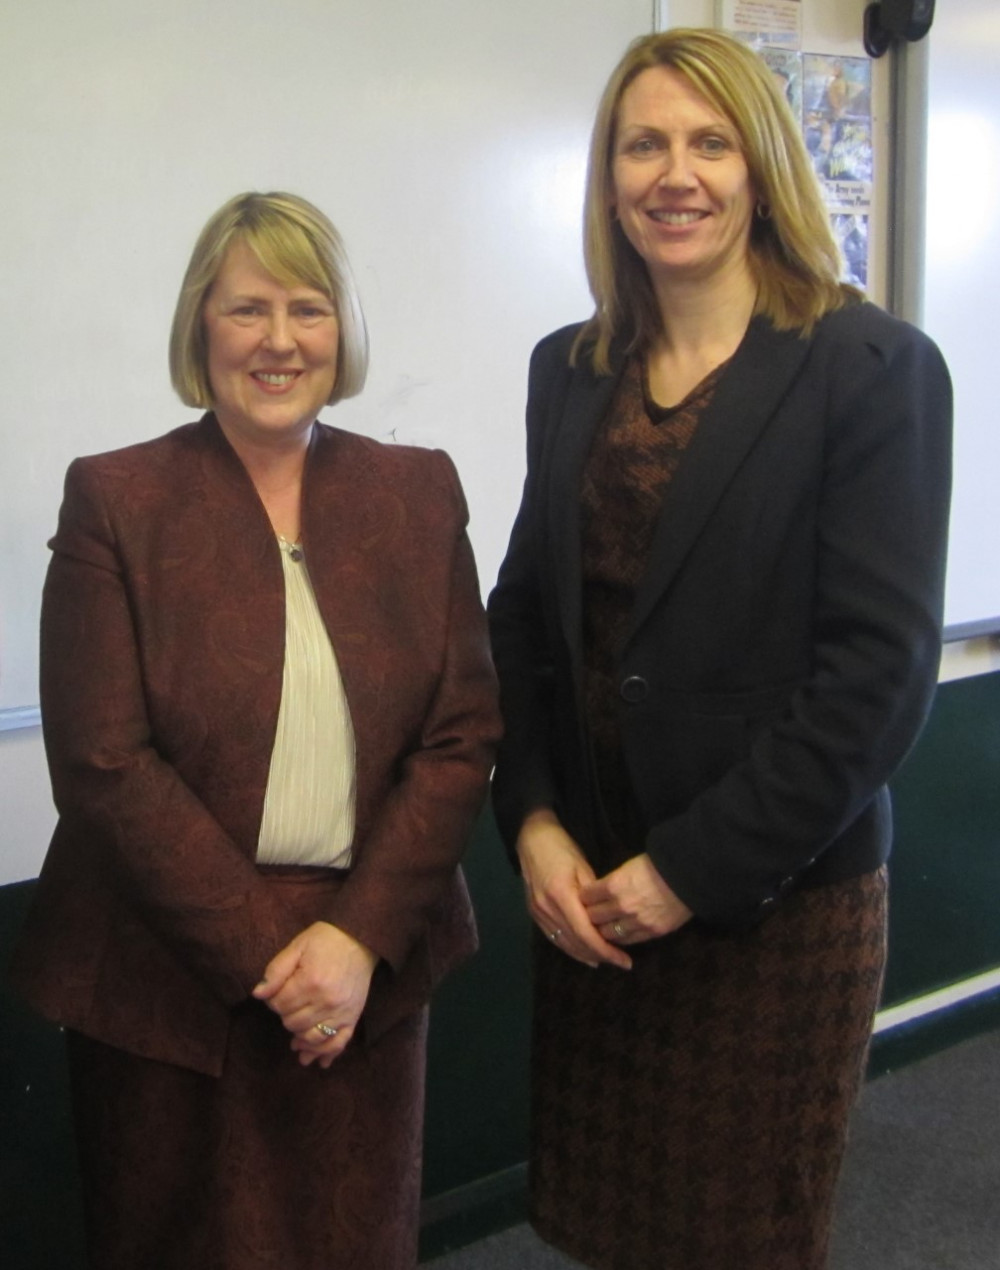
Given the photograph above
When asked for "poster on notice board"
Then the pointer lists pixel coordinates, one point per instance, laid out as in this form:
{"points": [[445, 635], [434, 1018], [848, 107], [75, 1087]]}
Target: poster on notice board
{"points": [[830, 99]]}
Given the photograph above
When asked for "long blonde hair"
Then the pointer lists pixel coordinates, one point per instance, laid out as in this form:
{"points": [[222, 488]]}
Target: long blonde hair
{"points": [[794, 256]]}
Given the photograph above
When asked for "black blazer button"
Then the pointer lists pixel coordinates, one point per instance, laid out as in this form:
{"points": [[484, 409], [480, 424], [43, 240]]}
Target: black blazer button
{"points": [[634, 689]]}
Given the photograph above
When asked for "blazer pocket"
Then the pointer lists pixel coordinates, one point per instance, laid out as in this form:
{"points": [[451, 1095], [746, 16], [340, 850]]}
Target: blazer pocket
{"points": [[679, 744], [147, 1002]]}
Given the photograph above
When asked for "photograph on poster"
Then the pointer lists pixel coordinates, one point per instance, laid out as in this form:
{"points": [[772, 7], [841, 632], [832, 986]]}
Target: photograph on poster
{"points": [[851, 232], [786, 67], [830, 98], [837, 125], [838, 116]]}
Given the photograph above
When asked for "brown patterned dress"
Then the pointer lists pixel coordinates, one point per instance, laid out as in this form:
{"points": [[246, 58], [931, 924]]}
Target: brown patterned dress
{"points": [[691, 1114]]}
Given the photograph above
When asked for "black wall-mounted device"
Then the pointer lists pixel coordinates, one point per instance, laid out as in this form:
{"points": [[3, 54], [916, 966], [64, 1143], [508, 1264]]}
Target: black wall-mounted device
{"points": [[889, 20]]}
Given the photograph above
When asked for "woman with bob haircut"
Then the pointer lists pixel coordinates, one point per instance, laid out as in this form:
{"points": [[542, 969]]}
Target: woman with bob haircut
{"points": [[717, 631], [269, 713]]}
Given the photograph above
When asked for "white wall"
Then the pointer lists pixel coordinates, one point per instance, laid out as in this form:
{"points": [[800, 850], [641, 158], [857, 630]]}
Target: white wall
{"points": [[447, 140], [27, 818], [961, 277]]}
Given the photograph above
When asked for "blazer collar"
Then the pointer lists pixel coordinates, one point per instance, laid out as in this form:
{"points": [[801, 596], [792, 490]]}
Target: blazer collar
{"points": [[585, 405], [349, 518], [747, 396], [346, 510]]}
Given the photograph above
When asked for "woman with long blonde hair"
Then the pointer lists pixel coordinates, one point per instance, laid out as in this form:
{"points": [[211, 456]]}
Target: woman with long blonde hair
{"points": [[717, 633]]}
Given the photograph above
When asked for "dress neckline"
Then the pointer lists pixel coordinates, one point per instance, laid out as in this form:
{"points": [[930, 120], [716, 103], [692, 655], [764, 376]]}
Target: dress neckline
{"points": [[660, 414], [291, 549]]}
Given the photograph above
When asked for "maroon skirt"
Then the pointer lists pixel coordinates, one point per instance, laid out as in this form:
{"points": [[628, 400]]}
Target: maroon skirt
{"points": [[273, 1166], [692, 1114]]}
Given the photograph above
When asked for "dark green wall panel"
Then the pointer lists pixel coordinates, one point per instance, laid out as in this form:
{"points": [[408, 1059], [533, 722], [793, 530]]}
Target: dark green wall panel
{"points": [[945, 867], [40, 1216], [478, 1051]]}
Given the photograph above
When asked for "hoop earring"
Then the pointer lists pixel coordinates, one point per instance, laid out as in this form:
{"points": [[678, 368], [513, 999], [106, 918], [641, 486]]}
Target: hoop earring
{"points": [[763, 210]]}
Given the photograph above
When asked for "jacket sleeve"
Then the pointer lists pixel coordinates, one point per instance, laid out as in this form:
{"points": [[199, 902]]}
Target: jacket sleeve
{"points": [[876, 621], [524, 779], [412, 849], [157, 841]]}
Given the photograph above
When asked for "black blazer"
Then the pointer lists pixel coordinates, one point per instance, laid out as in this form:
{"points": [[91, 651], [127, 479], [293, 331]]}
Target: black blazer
{"points": [[785, 637]]}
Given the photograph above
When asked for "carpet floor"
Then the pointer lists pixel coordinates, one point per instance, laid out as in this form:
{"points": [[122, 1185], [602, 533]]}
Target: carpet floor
{"points": [[920, 1188]]}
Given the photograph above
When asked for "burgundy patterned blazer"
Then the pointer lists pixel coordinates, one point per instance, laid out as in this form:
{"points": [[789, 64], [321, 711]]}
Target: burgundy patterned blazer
{"points": [[163, 629]]}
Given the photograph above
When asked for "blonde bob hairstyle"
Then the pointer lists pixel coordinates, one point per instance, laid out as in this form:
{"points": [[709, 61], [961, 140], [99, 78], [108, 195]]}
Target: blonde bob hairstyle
{"points": [[296, 243], [793, 254]]}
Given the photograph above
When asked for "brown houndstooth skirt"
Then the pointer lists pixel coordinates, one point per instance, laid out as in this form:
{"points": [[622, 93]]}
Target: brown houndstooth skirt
{"points": [[692, 1114]]}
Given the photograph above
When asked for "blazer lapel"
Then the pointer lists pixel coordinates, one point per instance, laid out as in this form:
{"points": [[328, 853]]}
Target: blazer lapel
{"points": [[345, 512], [584, 406], [746, 398], [247, 585]]}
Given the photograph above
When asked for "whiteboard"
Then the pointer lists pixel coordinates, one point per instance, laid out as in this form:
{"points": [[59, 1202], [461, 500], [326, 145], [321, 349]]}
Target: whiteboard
{"points": [[446, 139], [961, 278]]}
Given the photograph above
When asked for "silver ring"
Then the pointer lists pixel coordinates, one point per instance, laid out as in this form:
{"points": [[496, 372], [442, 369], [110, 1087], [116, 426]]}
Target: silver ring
{"points": [[618, 928], [326, 1029], [554, 936]]}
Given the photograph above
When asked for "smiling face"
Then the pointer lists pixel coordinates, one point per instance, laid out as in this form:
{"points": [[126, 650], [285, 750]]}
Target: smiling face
{"points": [[272, 352], [682, 189]]}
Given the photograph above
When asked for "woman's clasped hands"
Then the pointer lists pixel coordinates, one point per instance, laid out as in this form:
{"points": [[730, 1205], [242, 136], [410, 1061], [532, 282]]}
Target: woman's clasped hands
{"points": [[319, 984], [588, 917]]}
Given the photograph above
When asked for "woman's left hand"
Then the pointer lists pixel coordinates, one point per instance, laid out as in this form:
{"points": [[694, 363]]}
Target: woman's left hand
{"points": [[633, 903], [321, 977]]}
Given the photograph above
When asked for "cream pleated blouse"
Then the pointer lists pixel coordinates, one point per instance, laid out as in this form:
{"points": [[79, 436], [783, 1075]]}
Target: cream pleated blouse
{"points": [[309, 804]]}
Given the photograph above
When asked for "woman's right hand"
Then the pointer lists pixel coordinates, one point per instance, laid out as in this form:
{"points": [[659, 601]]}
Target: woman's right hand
{"points": [[317, 982], [555, 870]]}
